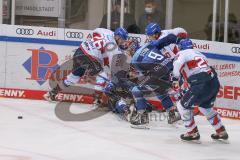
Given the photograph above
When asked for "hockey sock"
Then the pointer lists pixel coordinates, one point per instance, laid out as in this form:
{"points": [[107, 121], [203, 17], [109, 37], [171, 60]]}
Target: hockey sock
{"points": [[213, 117], [187, 117]]}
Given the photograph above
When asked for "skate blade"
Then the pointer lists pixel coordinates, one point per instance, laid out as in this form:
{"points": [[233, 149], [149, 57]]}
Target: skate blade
{"points": [[140, 127], [224, 141], [175, 122], [192, 141]]}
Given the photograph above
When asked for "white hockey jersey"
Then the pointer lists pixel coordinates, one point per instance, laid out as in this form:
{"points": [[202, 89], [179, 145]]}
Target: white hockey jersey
{"points": [[189, 62], [101, 46], [171, 50]]}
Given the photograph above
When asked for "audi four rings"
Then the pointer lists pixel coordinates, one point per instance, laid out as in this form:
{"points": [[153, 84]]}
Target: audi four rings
{"points": [[236, 50], [78, 35], [24, 31]]}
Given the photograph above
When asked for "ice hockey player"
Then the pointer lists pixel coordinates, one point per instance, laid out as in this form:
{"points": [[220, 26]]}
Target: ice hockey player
{"points": [[156, 69], [120, 99], [157, 36], [204, 86], [154, 32], [92, 56]]}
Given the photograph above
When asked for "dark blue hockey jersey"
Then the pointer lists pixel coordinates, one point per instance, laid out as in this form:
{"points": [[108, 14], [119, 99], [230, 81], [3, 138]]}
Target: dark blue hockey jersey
{"points": [[149, 60]]}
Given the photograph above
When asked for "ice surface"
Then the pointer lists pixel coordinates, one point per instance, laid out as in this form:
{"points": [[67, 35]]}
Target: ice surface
{"points": [[40, 135]]}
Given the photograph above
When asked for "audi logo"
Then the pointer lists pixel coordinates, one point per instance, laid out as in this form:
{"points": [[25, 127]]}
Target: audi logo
{"points": [[24, 31], [78, 35], [236, 50]]}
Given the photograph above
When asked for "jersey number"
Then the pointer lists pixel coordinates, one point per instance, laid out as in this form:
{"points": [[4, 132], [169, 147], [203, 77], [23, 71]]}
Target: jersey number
{"points": [[201, 63], [98, 41], [154, 55]]}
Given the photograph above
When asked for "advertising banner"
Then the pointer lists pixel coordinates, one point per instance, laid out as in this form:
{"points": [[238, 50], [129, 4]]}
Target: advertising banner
{"points": [[31, 54], [2, 63], [76, 34], [35, 32], [225, 58], [33, 64], [45, 8]]}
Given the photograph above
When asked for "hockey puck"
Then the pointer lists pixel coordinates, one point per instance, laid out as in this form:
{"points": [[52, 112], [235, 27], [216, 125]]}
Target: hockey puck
{"points": [[20, 117]]}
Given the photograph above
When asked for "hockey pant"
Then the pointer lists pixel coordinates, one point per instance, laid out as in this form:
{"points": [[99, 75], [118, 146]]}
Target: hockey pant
{"points": [[152, 87], [202, 92], [81, 64]]}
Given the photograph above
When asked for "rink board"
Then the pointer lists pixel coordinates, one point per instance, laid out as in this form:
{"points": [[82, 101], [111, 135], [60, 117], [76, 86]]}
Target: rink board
{"points": [[30, 54]]}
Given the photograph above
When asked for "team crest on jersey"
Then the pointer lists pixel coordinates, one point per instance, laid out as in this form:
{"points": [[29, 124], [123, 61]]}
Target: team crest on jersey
{"points": [[41, 64]]}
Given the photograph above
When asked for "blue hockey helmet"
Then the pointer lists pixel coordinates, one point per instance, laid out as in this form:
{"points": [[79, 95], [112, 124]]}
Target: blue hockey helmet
{"points": [[185, 44], [121, 32], [152, 28]]}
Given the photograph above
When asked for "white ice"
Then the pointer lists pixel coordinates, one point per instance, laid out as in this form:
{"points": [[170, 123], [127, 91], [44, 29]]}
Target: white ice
{"points": [[40, 135]]}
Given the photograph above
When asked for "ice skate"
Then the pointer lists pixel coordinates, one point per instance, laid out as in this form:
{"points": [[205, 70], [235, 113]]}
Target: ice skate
{"points": [[192, 136], [173, 117], [51, 95], [140, 119], [221, 135]]}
